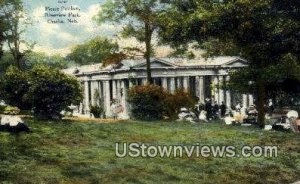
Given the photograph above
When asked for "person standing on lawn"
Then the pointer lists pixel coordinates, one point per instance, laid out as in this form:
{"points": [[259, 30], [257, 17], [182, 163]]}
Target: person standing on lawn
{"points": [[223, 109]]}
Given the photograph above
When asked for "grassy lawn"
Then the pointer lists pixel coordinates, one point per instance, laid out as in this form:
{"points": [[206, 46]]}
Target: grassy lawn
{"points": [[82, 152]]}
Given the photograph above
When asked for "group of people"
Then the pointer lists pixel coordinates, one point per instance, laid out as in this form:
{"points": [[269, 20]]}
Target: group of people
{"points": [[213, 109]]}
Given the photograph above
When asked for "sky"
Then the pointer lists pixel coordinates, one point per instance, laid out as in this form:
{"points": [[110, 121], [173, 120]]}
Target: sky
{"points": [[60, 38]]}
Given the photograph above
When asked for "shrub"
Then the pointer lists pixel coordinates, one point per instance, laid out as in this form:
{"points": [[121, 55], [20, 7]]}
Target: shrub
{"points": [[173, 102], [2, 108], [11, 110], [152, 102], [96, 111], [147, 102], [52, 91], [46, 91], [14, 87]]}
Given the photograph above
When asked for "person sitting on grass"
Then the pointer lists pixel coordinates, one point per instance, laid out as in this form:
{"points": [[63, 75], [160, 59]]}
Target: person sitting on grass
{"points": [[10, 122]]}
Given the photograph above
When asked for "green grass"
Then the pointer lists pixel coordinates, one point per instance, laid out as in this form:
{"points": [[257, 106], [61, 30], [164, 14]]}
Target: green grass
{"points": [[78, 152]]}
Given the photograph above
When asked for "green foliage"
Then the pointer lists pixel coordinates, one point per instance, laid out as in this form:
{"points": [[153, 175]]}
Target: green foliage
{"points": [[2, 108], [11, 110], [182, 53], [3, 28], [34, 58], [6, 61], [52, 91], [13, 16], [114, 59], [151, 102], [140, 18], [93, 51], [48, 91], [264, 33], [14, 86], [147, 102], [96, 110], [40, 58], [282, 77], [134, 14], [173, 102]]}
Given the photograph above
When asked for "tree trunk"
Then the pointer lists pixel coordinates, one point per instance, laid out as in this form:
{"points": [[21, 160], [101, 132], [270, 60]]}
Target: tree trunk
{"points": [[19, 60], [261, 95], [148, 35]]}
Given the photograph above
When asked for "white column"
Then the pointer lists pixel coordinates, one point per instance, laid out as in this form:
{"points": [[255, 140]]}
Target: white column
{"points": [[215, 89], [186, 83], [130, 83], [80, 110], [144, 81], [100, 91], [228, 95], [119, 90], [107, 98], [221, 91], [197, 86], [179, 85], [114, 89], [172, 85], [245, 105], [251, 100], [165, 83], [154, 81], [124, 100], [94, 87], [201, 89], [86, 97]]}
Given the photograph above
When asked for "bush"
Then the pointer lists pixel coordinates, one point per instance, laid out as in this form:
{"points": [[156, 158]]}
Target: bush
{"points": [[46, 91], [11, 110], [52, 91], [152, 102], [14, 87], [2, 108], [147, 102], [173, 102], [96, 111]]}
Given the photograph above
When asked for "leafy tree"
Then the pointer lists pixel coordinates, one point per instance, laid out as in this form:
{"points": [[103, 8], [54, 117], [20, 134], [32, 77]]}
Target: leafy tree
{"points": [[6, 61], [2, 29], [140, 18], [264, 32], [34, 58], [14, 87], [114, 59], [47, 91], [52, 91], [93, 51], [12, 14], [40, 58]]}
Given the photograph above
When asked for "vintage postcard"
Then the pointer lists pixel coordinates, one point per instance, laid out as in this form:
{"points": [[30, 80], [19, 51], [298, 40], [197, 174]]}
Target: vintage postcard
{"points": [[149, 91]]}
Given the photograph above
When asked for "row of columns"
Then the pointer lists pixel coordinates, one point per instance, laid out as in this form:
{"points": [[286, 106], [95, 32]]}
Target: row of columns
{"points": [[173, 80], [119, 90], [221, 95]]}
